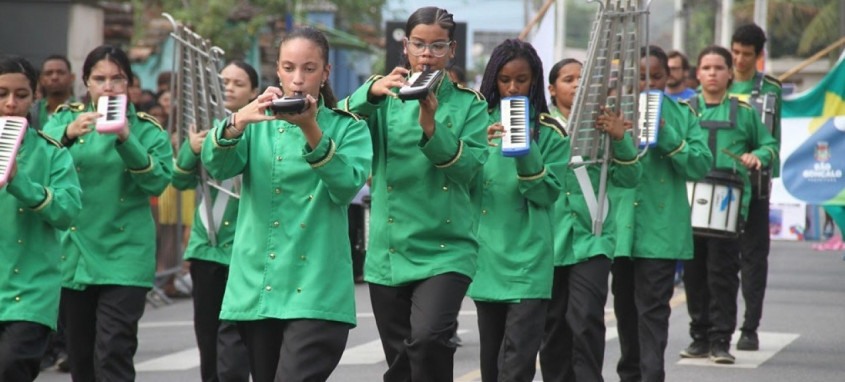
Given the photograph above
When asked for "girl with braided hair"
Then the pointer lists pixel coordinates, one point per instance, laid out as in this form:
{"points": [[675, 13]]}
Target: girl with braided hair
{"points": [[426, 158], [513, 283]]}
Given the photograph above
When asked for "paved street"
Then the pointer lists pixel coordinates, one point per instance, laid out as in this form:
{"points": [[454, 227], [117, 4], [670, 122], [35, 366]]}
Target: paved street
{"points": [[802, 334]]}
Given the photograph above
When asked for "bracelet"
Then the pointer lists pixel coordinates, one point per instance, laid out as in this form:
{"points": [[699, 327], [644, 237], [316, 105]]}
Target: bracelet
{"points": [[231, 123]]}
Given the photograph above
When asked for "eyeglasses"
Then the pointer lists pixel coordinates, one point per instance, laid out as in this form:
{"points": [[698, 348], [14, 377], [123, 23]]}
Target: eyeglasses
{"points": [[437, 49], [117, 81]]}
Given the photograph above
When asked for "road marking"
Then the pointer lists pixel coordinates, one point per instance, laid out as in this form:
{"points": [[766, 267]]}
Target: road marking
{"points": [[770, 344], [368, 353], [179, 361], [166, 324]]}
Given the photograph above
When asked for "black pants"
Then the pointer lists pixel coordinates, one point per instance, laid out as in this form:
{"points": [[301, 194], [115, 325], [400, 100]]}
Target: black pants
{"points": [[642, 289], [102, 331], [415, 323], [22, 344], [223, 355], [56, 345], [510, 338], [357, 239], [711, 279], [573, 345], [293, 350], [754, 261]]}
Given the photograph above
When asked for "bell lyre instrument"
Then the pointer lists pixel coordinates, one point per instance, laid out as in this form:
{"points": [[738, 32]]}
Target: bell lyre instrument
{"points": [[420, 84], [12, 130], [112, 110], [516, 140], [609, 84], [197, 103]]}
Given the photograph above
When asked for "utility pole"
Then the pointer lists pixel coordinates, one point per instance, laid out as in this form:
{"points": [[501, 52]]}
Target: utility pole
{"points": [[560, 29], [679, 35], [726, 23], [761, 11]]}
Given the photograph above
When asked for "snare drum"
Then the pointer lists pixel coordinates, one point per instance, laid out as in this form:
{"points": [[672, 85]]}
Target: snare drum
{"points": [[716, 202]]}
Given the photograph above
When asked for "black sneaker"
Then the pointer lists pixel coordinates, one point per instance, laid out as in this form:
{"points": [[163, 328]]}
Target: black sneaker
{"points": [[748, 341], [719, 352], [697, 349]]}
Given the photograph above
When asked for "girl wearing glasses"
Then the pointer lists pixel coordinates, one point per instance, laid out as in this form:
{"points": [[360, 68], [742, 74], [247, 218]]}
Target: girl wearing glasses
{"points": [[513, 284], [108, 261], [428, 155], [222, 353], [41, 195], [290, 287]]}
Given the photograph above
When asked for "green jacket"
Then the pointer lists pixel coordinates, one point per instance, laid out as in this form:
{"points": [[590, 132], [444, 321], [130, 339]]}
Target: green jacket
{"points": [[515, 231], [43, 197], [423, 220], [653, 219], [573, 224], [185, 177], [742, 90], [290, 258], [112, 241], [749, 135]]}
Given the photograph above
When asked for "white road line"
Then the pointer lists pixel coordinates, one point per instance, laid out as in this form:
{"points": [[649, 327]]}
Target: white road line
{"points": [[770, 344], [166, 324], [182, 360]]}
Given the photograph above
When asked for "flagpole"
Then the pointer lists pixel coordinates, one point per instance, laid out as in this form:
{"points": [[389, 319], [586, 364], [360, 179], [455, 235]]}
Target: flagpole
{"points": [[536, 19], [811, 60]]}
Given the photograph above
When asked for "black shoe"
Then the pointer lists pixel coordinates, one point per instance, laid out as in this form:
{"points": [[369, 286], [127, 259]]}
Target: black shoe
{"points": [[48, 360], [697, 349], [748, 341], [719, 352], [455, 340], [62, 363]]}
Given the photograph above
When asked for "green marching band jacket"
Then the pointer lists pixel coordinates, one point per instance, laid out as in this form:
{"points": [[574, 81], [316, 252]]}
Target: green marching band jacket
{"points": [[653, 219], [766, 84], [515, 260], [43, 197], [224, 212], [573, 223], [748, 135], [110, 243], [290, 258], [423, 219]]}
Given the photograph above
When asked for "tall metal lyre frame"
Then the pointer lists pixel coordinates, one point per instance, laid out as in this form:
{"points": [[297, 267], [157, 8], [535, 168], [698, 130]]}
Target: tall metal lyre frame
{"points": [[197, 100], [614, 42]]}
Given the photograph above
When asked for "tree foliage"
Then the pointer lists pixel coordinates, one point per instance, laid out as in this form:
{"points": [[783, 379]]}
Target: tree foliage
{"points": [[233, 24]]}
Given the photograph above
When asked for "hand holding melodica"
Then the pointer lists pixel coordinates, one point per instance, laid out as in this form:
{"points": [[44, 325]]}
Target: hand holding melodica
{"points": [[307, 121], [428, 106], [253, 112], [495, 131], [396, 79], [83, 124]]}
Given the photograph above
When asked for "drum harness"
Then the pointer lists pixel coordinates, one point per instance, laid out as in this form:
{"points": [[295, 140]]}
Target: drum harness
{"points": [[715, 126]]}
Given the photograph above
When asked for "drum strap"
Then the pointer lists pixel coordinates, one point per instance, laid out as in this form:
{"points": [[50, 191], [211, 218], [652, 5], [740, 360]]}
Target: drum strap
{"points": [[715, 126], [758, 85]]}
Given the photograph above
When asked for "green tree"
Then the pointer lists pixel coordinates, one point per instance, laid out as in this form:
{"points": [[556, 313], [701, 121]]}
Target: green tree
{"points": [[795, 27], [233, 24]]}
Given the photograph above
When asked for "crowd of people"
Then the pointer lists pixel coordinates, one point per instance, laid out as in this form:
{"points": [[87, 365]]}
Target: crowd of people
{"points": [[453, 214]]}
